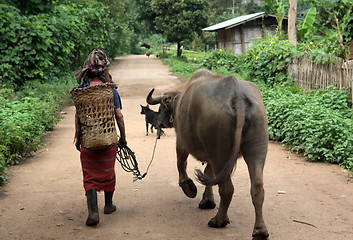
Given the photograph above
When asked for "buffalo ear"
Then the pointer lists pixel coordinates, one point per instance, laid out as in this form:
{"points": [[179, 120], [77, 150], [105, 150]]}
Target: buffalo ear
{"points": [[167, 99]]}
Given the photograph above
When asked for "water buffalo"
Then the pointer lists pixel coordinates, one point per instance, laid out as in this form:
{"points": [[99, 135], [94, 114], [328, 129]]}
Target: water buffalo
{"points": [[218, 118]]}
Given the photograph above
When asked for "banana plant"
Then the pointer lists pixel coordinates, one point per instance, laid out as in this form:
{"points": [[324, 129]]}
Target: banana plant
{"points": [[305, 27], [347, 25], [279, 8]]}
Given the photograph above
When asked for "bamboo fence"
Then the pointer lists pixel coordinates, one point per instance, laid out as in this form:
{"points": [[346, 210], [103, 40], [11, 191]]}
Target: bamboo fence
{"points": [[310, 75]]}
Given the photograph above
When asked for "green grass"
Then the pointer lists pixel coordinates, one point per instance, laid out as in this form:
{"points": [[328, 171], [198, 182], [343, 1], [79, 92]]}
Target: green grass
{"points": [[181, 67]]}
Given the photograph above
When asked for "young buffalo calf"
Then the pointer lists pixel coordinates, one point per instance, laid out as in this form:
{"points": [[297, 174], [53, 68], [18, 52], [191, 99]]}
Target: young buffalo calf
{"points": [[151, 117]]}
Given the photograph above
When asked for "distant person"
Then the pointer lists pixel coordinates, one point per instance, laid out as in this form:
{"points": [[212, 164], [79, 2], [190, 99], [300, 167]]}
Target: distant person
{"points": [[98, 164]]}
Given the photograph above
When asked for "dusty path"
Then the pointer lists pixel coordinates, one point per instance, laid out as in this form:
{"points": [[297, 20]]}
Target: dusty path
{"points": [[45, 198]]}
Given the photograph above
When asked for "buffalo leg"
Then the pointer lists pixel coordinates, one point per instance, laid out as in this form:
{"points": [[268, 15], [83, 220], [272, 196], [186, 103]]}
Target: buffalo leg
{"points": [[185, 182], [255, 163], [207, 201], [226, 190]]}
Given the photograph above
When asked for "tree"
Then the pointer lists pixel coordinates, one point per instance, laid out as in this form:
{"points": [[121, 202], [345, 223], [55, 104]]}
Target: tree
{"points": [[31, 7], [292, 18], [177, 20]]}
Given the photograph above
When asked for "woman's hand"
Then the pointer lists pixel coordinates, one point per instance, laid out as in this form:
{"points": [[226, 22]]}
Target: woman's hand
{"points": [[122, 141], [78, 144]]}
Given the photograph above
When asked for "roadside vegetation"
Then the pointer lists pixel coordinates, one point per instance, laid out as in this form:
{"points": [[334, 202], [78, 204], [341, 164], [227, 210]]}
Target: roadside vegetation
{"points": [[43, 42], [317, 123]]}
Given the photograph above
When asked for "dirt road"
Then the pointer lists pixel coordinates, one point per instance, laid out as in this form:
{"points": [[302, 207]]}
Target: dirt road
{"points": [[45, 198]]}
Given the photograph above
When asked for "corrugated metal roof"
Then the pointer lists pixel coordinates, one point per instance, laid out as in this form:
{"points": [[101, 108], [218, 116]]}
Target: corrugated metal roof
{"points": [[234, 22]]}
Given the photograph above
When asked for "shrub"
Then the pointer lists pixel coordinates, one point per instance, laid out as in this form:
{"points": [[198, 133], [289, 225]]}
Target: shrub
{"points": [[268, 59], [42, 46], [223, 60], [3, 169], [22, 125], [26, 115], [317, 123]]}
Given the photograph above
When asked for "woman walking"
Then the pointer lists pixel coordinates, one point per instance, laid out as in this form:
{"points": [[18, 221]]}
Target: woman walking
{"points": [[98, 162]]}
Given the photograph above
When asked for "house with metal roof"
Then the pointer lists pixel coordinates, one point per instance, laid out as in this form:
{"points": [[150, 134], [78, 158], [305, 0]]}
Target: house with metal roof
{"points": [[235, 35]]}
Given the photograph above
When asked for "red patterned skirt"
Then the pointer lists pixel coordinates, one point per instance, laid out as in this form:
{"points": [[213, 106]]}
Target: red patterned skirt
{"points": [[98, 167]]}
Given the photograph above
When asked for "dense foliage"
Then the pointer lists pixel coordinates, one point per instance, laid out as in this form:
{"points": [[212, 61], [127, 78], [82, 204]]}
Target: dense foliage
{"points": [[26, 115], [267, 60], [223, 60], [332, 26], [44, 45], [317, 123]]}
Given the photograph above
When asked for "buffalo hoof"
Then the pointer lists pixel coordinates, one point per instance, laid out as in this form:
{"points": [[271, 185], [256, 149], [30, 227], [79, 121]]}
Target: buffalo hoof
{"points": [[189, 188], [260, 233], [207, 204], [261, 237], [214, 224]]}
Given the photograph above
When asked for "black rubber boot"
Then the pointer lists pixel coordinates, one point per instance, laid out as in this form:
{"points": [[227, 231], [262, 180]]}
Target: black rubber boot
{"points": [[109, 206], [92, 203]]}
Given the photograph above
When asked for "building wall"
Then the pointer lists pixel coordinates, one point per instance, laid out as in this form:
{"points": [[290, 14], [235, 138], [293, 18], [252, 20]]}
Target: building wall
{"points": [[238, 39]]}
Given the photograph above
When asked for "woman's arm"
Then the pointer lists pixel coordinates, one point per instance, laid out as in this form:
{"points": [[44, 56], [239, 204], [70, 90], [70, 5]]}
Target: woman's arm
{"points": [[121, 125], [77, 133]]}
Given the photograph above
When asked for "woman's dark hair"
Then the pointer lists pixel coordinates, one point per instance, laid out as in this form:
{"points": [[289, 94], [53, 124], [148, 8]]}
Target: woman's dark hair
{"points": [[89, 75]]}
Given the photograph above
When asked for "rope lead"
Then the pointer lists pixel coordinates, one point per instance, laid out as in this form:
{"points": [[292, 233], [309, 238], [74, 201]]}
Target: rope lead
{"points": [[126, 157]]}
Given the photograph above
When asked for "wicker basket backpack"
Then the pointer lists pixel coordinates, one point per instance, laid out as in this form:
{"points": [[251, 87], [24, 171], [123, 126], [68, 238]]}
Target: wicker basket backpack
{"points": [[95, 110]]}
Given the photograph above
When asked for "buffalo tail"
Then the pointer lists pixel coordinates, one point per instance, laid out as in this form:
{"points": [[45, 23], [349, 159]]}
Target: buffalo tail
{"points": [[229, 166]]}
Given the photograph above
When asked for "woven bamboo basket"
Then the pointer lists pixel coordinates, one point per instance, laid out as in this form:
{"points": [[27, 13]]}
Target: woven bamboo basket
{"points": [[95, 110]]}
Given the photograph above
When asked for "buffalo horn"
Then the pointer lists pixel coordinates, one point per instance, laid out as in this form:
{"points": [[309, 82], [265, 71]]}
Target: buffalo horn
{"points": [[151, 100]]}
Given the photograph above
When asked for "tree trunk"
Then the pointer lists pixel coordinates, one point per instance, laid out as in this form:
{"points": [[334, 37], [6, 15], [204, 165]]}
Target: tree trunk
{"points": [[292, 17], [179, 50]]}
